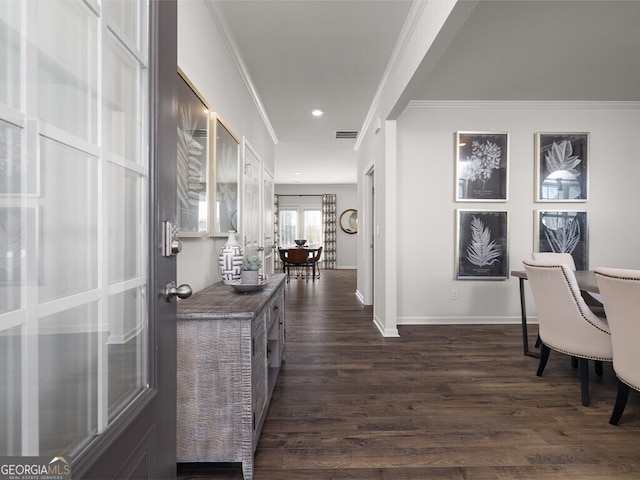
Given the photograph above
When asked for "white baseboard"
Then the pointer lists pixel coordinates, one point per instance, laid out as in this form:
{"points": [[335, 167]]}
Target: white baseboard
{"points": [[465, 320]]}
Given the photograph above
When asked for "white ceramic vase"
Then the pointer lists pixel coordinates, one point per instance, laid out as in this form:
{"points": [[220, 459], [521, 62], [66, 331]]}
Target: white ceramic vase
{"points": [[230, 260]]}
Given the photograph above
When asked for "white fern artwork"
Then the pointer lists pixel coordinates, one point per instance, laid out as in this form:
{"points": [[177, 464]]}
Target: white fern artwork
{"points": [[564, 239], [482, 251], [190, 168]]}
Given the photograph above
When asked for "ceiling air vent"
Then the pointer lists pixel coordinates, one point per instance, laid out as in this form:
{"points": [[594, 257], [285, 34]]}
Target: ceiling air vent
{"points": [[347, 134]]}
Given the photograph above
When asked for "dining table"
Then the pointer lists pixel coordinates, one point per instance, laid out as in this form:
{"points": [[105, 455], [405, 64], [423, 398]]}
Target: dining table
{"points": [[311, 250], [587, 282]]}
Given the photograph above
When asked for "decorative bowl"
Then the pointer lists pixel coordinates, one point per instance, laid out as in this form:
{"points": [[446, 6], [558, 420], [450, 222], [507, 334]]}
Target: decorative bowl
{"points": [[250, 287], [247, 287], [300, 243]]}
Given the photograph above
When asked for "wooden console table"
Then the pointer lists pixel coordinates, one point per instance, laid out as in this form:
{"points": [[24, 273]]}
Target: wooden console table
{"points": [[230, 348]]}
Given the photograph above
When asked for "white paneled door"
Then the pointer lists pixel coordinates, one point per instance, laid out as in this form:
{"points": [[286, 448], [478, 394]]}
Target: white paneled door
{"points": [[85, 330]]}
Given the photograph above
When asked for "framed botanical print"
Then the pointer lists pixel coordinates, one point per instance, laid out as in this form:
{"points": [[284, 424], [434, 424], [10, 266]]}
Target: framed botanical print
{"points": [[482, 161], [192, 161], [482, 245], [227, 177], [562, 231], [562, 167]]}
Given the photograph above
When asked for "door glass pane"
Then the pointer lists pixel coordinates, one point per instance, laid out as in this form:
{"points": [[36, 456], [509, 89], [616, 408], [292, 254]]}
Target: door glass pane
{"points": [[123, 15], [10, 52], [124, 216], [10, 394], [67, 67], [68, 216], [121, 118], [67, 378], [18, 172], [73, 223], [127, 345]]}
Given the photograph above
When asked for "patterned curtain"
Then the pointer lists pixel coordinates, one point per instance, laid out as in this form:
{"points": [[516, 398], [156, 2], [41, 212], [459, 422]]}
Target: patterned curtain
{"points": [[328, 259], [277, 265]]}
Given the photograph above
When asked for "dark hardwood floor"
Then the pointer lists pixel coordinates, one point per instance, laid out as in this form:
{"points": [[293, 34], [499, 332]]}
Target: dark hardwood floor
{"points": [[439, 402]]}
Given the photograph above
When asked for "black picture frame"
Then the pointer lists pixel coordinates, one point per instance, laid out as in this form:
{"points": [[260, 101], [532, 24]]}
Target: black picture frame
{"points": [[563, 231], [482, 166], [482, 245], [562, 167]]}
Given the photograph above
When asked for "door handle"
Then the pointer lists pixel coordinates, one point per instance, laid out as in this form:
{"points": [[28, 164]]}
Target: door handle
{"points": [[183, 291]]}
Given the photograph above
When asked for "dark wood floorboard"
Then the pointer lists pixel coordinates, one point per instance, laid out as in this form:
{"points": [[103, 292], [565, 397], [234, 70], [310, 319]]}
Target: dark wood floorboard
{"points": [[439, 402]]}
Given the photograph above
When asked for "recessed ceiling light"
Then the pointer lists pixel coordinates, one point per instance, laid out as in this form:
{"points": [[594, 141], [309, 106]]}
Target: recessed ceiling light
{"points": [[317, 112], [297, 172]]}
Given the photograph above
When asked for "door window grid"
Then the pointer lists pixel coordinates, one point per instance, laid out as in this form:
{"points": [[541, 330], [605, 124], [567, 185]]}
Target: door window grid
{"points": [[65, 81]]}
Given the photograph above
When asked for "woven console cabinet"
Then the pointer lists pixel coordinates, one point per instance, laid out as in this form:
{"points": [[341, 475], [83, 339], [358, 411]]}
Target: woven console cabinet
{"points": [[230, 348]]}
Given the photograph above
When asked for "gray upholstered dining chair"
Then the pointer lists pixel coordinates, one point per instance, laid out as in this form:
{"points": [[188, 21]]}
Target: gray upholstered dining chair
{"points": [[555, 257], [620, 290], [566, 324]]}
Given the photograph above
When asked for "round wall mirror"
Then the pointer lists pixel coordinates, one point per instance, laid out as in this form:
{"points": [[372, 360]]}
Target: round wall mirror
{"points": [[349, 221]]}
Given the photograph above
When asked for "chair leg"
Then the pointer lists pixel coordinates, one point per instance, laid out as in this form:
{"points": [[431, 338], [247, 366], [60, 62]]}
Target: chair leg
{"points": [[584, 380], [598, 367], [574, 362], [538, 342], [621, 402], [544, 357]]}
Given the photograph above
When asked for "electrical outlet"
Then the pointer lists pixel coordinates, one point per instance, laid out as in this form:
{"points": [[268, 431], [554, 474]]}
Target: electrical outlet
{"points": [[454, 294]]}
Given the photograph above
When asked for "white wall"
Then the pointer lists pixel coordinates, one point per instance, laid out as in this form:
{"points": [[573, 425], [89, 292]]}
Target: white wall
{"points": [[378, 148], [346, 244], [426, 206], [206, 60]]}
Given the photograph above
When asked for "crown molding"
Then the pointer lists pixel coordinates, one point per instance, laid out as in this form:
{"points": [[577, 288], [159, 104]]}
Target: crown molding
{"points": [[408, 28], [223, 25], [528, 104]]}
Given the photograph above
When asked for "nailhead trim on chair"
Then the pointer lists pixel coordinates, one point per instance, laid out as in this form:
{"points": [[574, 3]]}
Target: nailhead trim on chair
{"points": [[631, 279], [572, 294]]}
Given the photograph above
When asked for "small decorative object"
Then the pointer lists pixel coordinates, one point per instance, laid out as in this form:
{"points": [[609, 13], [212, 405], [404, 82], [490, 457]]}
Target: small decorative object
{"points": [[230, 260], [300, 243], [250, 266]]}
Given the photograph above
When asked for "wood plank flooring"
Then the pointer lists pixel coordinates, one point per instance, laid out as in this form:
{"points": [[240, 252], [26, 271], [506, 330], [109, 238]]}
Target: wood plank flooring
{"points": [[439, 402]]}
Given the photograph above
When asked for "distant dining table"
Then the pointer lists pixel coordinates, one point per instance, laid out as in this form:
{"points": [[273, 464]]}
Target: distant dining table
{"points": [[586, 281], [311, 250]]}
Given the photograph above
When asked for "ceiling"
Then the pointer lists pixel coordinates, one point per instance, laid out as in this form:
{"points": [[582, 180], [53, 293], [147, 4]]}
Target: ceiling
{"points": [[330, 54]]}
